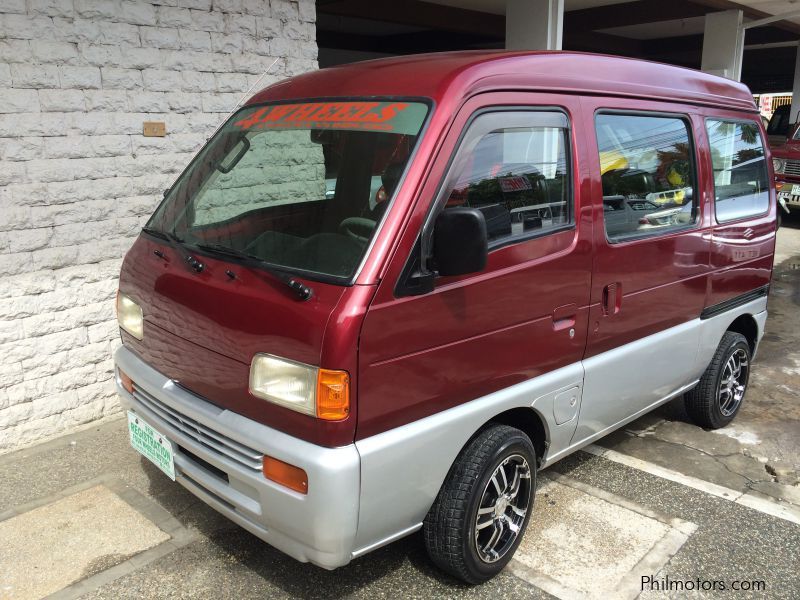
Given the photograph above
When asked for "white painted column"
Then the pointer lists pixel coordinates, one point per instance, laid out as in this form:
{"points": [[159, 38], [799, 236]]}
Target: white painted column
{"points": [[534, 24], [795, 111], [723, 44]]}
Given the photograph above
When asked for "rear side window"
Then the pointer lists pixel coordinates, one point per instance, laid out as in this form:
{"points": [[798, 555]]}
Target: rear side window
{"points": [[648, 172], [514, 167], [741, 180]]}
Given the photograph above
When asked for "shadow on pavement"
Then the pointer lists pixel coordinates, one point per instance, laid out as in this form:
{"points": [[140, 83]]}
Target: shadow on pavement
{"points": [[790, 221]]}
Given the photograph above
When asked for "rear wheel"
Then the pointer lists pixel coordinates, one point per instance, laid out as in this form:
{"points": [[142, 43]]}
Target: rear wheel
{"points": [[719, 394], [483, 508]]}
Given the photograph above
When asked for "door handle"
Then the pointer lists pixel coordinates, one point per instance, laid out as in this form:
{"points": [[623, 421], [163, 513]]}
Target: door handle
{"points": [[564, 317], [612, 298]]}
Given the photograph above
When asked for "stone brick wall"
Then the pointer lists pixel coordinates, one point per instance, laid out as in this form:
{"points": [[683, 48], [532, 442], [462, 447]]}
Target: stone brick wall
{"points": [[77, 179]]}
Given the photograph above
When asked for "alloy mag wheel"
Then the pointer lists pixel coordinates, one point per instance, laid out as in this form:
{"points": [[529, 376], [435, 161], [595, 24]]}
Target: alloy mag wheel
{"points": [[479, 517], [719, 395], [733, 382], [502, 509]]}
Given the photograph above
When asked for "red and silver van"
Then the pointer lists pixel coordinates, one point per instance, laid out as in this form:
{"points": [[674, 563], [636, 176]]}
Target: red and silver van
{"points": [[384, 295]]}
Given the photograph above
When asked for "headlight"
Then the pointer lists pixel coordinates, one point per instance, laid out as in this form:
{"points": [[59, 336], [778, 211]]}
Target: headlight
{"points": [[321, 393], [778, 164], [129, 316], [290, 384]]}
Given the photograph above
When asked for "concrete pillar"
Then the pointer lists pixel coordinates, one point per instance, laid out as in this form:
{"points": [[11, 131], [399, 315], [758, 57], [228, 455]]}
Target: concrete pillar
{"points": [[534, 24], [723, 44], [796, 89]]}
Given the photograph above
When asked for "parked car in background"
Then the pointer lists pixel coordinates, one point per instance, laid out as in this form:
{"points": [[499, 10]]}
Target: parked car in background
{"points": [[676, 215], [786, 164], [337, 339], [622, 214]]}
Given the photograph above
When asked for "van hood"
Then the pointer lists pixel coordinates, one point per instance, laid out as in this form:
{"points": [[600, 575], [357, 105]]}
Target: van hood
{"points": [[236, 316], [788, 149], [202, 329]]}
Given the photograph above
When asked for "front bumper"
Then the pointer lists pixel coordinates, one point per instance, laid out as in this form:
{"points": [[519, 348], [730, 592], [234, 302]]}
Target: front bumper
{"points": [[318, 527]]}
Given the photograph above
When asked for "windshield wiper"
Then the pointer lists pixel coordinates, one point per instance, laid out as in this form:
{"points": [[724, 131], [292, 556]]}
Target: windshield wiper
{"points": [[155, 232], [298, 287], [177, 244]]}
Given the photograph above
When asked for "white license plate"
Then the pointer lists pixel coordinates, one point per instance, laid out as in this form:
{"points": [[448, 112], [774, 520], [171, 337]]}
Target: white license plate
{"points": [[795, 190], [151, 444]]}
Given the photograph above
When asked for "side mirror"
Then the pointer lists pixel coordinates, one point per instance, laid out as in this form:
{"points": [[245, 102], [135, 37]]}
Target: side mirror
{"points": [[460, 241]]}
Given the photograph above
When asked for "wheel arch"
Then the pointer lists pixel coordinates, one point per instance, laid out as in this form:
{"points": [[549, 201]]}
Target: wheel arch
{"points": [[529, 421], [747, 326]]}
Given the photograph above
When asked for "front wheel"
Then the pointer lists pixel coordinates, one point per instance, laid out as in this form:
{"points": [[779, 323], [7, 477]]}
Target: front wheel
{"points": [[716, 399], [483, 508]]}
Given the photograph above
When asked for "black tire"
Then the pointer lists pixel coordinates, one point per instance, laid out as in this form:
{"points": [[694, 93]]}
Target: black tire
{"points": [[706, 404], [450, 525]]}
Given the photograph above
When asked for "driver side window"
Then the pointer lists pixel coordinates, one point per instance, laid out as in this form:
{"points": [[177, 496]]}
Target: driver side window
{"points": [[514, 167]]}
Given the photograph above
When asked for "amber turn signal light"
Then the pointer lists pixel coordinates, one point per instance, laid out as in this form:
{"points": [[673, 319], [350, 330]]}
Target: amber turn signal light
{"points": [[285, 474], [333, 395], [125, 381]]}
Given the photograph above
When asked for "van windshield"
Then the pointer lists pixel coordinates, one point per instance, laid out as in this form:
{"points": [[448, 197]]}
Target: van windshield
{"points": [[300, 186]]}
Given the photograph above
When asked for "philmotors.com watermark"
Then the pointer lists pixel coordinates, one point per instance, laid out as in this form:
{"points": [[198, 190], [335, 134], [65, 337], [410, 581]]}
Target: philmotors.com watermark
{"points": [[665, 584]]}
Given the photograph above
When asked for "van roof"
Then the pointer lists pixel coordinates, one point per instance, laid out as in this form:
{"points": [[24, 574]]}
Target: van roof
{"points": [[462, 74]]}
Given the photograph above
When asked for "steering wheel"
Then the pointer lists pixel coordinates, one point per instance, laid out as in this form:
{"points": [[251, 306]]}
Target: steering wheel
{"points": [[358, 228]]}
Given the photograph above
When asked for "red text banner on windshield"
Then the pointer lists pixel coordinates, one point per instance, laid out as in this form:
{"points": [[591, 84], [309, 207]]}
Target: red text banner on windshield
{"points": [[391, 117]]}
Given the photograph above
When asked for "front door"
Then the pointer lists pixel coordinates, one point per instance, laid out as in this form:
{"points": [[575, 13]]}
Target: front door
{"points": [[514, 157]]}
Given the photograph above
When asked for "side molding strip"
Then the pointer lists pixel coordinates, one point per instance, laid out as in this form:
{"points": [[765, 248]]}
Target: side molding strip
{"points": [[736, 302]]}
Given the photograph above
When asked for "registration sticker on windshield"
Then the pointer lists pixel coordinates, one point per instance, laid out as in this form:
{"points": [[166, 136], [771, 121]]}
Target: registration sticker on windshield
{"points": [[391, 117]]}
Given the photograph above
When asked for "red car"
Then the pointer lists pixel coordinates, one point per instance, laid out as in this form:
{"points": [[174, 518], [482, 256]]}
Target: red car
{"points": [[335, 367], [786, 163]]}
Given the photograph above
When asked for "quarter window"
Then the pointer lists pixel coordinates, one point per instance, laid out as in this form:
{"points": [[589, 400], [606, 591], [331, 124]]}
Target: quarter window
{"points": [[741, 182], [648, 173], [514, 167]]}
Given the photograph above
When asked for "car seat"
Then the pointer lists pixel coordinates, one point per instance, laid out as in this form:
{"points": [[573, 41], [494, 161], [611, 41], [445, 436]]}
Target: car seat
{"points": [[628, 182]]}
